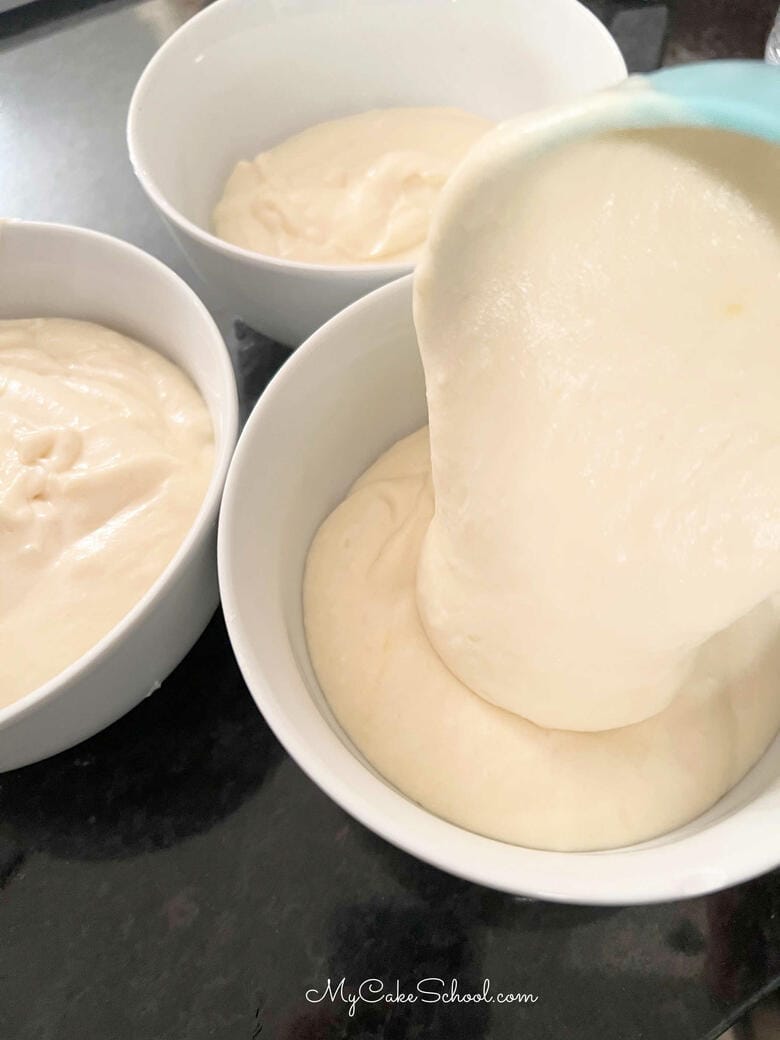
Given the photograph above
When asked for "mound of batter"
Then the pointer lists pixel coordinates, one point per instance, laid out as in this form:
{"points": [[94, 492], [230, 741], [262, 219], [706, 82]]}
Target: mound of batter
{"points": [[106, 451], [357, 190], [557, 625]]}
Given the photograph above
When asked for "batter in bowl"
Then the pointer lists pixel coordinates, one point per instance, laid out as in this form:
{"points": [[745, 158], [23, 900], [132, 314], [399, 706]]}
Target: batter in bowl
{"points": [[556, 623], [356, 190], [106, 451]]}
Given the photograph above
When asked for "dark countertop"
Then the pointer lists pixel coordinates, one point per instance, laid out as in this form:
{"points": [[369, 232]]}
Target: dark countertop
{"points": [[178, 877]]}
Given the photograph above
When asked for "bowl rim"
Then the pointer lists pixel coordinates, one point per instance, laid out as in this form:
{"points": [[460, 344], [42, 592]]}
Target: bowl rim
{"points": [[224, 444], [176, 217], [725, 852], [384, 272]]}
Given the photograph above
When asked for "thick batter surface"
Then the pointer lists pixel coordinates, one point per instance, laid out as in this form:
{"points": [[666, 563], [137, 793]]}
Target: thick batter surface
{"points": [[106, 450], [579, 646], [487, 769], [601, 342], [350, 191]]}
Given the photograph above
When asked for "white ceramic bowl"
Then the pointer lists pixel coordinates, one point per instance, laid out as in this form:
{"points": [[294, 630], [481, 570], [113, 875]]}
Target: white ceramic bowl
{"points": [[244, 74], [48, 270], [345, 396]]}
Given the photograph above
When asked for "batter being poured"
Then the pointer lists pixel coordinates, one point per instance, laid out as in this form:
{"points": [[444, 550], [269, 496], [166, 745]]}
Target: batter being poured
{"points": [[554, 620]]}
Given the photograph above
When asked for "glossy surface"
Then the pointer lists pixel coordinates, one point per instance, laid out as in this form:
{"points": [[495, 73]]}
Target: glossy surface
{"points": [[178, 877], [178, 873], [359, 189], [37, 261], [107, 452], [355, 388]]}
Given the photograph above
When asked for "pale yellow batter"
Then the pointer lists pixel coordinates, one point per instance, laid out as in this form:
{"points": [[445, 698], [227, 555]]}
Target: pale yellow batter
{"points": [[603, 377], [106, 450], [599, 335], [488, 769], [350, 191]]}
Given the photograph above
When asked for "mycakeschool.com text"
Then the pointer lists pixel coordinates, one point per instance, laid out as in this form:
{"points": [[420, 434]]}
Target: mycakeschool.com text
{"points": [[425, 991]]}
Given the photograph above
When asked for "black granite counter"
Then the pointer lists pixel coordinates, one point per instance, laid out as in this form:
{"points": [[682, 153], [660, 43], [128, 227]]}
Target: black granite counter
{"points": [[178, 877]]}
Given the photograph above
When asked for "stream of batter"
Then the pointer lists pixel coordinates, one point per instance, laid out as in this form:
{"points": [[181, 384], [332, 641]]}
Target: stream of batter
{"points": [[553, 619]]}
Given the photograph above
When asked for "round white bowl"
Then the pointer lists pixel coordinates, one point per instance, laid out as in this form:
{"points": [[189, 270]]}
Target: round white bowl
{"points": [[48, 270], [245, 74], [343, 398]]}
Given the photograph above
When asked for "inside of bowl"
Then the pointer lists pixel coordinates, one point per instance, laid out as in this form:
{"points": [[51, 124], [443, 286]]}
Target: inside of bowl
{"points": [[347, 413], [244, 76]]}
